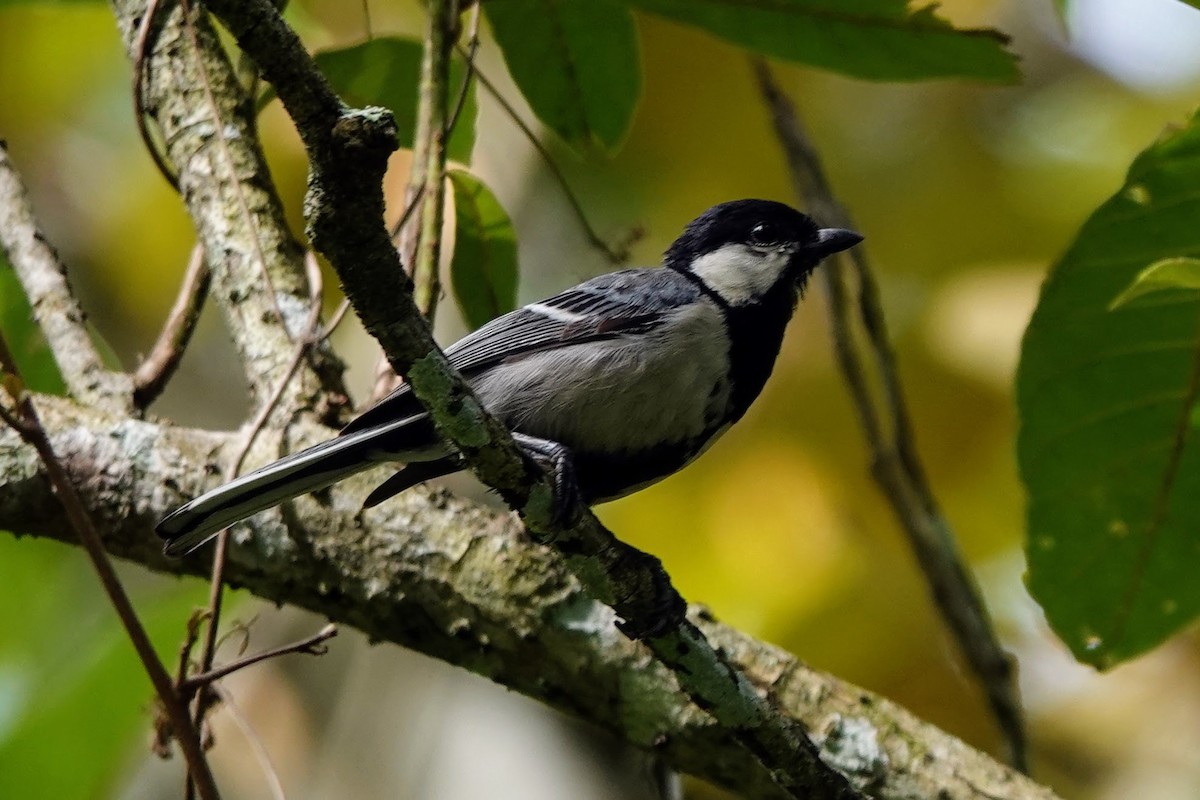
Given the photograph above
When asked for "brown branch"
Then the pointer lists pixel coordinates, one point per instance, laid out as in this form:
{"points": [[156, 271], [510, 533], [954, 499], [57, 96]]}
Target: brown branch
{"points": [[310, 646], [386, 380], [55, 307], [149, 22], [896, 466], [159, 366], [468, 54], [256, 743], [420, 245], [27, 423], [429, 155]]}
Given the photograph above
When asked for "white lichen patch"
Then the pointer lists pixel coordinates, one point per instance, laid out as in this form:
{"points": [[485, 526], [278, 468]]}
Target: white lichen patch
{"points": [[851, 746]]}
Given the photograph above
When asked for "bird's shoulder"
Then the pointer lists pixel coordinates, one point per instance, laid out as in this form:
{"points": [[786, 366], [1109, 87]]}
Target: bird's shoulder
{"points": [[628, 301], [641, 289]]}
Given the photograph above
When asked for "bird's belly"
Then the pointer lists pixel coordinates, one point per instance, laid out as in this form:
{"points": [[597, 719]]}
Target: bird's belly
{"points": [[619, 396]]}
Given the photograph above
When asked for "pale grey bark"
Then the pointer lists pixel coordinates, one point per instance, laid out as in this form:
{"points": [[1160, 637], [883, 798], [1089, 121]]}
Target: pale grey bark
{"points": [[207, 123], [55, 309]]}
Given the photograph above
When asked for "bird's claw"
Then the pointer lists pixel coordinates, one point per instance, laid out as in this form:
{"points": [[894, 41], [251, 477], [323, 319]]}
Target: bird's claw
{"points": [[556, 459]]}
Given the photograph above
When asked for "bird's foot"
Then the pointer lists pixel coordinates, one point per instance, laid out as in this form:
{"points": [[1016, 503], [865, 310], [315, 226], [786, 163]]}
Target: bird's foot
{"points": [[556, 459]]}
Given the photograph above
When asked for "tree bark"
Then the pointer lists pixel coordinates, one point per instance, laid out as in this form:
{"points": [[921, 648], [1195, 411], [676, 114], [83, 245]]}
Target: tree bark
{"points": [[466, 585]]}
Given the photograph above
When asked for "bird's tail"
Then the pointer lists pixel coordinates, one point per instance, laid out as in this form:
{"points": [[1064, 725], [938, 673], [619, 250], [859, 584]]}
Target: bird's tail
{"points": [[194, 523]]}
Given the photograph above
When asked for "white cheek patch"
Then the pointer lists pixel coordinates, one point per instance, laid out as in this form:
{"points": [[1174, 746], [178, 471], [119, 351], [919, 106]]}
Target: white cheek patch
{"points": [[740, 274]]}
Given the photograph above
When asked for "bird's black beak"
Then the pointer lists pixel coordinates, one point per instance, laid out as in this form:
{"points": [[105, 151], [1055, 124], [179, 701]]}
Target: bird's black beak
{"points": [[833, 240]]}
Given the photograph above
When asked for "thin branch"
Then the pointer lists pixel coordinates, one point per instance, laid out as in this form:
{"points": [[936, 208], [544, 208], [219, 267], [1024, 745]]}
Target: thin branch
{"points": [[618, 254], [386, 379], [420, 245], [896, 466], [423, 251], [310, 646], [141, 64], [256, 744], [28, 424], [159, 366], [213, 617], [336, 319], [464, 91], [55, 308], [348, 151]]}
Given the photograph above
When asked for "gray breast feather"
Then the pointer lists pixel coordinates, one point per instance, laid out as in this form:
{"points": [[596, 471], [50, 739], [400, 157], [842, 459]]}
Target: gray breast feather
{"points": [[627, 393]]}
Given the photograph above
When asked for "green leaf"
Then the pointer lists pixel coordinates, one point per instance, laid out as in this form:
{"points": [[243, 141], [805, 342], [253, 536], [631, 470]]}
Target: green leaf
{"points": [[483, 270], [1107, 444], [386, 72], [25, 338], [1061, 9], [72, 690], [1169, 274], [873, 39], [576, 63]]}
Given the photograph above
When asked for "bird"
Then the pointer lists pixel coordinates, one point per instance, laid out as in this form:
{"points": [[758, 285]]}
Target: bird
{"points": [[627, 377]]}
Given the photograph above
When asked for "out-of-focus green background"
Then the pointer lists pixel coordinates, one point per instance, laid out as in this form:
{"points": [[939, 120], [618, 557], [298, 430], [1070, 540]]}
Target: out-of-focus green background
{"points": [[966, 194]]}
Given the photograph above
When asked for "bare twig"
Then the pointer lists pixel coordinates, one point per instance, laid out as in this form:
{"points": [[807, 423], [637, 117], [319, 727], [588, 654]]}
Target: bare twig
{"points": [[213, 616], [386, 379], [141, 48], [55, 308], [895, 465], [313, 646], [468, 55], [618, 254], [421, 245], [422, 251], [256, 743], [160, 364], [26, 422]]}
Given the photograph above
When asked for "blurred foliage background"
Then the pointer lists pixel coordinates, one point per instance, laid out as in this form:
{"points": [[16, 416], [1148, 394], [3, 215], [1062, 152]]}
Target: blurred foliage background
{"points": [[966, 193]]}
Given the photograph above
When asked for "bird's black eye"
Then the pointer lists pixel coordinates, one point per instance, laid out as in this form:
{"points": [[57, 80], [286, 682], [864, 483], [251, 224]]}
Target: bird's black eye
{"points": [[764, 234]]}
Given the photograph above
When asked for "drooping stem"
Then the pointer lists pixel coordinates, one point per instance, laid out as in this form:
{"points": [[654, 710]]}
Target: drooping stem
{"points": [[895, 464]]}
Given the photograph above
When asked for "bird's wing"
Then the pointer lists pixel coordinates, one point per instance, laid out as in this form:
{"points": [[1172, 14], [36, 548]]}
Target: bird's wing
{"points": [[625, 302]]}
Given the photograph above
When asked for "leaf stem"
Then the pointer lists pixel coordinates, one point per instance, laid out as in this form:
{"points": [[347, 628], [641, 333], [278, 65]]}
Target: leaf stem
{"points": [[896, 466]]}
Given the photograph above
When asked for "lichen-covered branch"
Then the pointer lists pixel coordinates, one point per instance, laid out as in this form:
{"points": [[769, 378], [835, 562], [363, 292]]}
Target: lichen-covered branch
{"points": [[55, 307], [468, 586], [207, 126]]}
